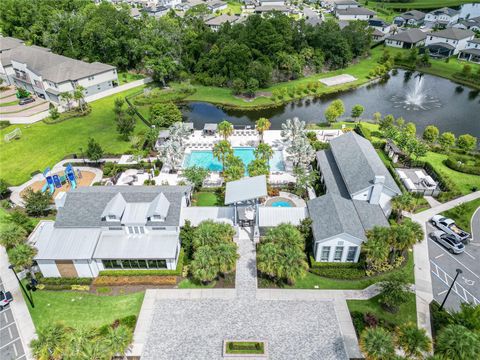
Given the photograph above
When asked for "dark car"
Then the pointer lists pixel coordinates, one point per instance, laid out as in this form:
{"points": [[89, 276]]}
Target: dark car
{"points": [[448, 241], [25, 101], [5, 299]]}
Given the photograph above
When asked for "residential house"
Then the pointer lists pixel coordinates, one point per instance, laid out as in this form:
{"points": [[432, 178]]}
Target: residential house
{"points": [[380, 25], [442, 17], [266, 9], [468, 24], [9, 43], [249, 4], [272, 2], [217, 6], [354, 13], [377, 35], [48, 75], [448, 42], [345, 4], [407, 39], [111, 227], [135, 13], [471, 52], [410, 18], [358, 193], [216, 22], [156, 10]]}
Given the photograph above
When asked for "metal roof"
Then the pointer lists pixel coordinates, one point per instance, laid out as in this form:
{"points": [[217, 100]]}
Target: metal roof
{"points": [[269, 216], [159, 206], [210, 127], [248, 188], [413, 14], [115, 207], [135, 214], [64, 243], [222, 19], [197, 214], [359, 163], [119, 245]]}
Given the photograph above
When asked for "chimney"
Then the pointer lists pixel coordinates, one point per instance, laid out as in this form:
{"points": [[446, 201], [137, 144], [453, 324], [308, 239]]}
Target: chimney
{"points": [[60, 199], [377, 189]]}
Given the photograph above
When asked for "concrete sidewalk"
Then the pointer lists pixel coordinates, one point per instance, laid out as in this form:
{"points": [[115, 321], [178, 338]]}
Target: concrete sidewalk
{"points": [[19, 308]]}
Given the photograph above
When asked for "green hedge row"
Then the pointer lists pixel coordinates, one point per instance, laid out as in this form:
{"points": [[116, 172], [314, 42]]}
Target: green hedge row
{"points": [[63, 281], [456, 164], [338, 270], [176, 272]]}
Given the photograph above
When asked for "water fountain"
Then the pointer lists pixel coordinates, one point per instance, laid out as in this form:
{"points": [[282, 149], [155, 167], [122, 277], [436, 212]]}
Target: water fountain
{"points": [[416, 97]]}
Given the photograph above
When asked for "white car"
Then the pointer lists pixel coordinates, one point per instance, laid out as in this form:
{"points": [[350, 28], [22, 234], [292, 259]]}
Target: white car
{"points": [[450, 242], [448, 226]]}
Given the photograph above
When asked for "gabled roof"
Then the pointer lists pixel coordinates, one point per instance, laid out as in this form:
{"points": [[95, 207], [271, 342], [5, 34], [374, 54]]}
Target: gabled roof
{"points": [[359, 163], [84, 206], [444, 10], [115, 207], [413, 14], [345, 2], [355, 11], [159, 206], [222, 19], [7, 43], [453, 33], [378, 23], [245, 189], [331, 175], [411, 36], [474, 41]]}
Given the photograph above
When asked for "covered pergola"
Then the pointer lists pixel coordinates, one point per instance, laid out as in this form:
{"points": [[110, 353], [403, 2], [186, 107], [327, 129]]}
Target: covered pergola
{"points": [[243, 194], [472, 55], [209, 129], [440, 50]]}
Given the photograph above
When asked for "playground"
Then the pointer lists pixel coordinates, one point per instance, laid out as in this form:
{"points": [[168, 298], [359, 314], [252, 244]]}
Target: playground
{"points": [[61, 181]]}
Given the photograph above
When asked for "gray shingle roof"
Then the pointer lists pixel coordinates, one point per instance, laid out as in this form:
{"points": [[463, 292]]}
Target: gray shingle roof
{"points": [[53, 67], [331, 174], [84, 206], [7, 43], [248, 188], [453, 33], [444, 10], [222, 19], [413, 14], [332, 215], [411, 36], [355, 11], [359, 163], [370, 215]]}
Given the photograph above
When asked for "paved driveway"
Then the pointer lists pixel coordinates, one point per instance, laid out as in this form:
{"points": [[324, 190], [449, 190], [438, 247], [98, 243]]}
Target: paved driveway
{"points": [[443, 266], [11, 347]]}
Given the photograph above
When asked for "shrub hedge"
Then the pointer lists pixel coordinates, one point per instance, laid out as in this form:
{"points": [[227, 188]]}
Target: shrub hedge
{"points": [[60, 281], [134, 280], [455, 163], [167, 273], [129, 321], [337, 270]]}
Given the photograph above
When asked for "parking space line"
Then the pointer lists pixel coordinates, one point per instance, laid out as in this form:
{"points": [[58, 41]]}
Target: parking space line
{"points": [[10, 332], [447, 253], [11, 342], [442, 292], [439, 256], [15, 350], [466, 252]]}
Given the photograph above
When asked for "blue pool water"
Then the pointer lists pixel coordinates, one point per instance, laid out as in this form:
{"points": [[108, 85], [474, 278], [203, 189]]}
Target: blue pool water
{"points": [[206, 160], [281, 204]]}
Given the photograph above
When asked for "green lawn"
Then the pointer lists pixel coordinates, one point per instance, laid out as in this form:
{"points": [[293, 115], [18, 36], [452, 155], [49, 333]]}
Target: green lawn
{"points": [[418, 4], [43, 145], [206, 198], [312, 281], [126, 77], [80, 309], [189, 284], [10, 103], [233, 7], [465, 182], [463, 214], [407, 312]]}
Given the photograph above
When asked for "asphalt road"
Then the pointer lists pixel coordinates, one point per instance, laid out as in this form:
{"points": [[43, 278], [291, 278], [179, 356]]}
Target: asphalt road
{"points": [[443, 267], [11, 347]]}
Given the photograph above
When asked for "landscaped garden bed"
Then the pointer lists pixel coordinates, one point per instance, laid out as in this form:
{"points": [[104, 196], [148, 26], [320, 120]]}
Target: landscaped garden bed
{"points": [[244, 348]]}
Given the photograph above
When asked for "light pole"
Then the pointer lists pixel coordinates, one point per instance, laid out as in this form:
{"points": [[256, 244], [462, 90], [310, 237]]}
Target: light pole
{"points": [[30, 299], [459, 271]]}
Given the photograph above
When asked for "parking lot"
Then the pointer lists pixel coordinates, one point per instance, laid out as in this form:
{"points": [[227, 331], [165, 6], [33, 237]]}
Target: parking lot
{"points": [[443, 267], [11, 347]]}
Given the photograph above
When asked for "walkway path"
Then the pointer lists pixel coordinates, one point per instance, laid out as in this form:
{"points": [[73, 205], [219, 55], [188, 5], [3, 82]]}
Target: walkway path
{"points": [[423, 280], [16, 317], [246, 271]]}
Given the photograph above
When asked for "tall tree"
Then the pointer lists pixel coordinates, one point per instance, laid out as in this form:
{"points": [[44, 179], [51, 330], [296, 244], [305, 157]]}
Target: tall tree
{"points": [[79, 96], [413, 341], [262, 125], [357, 111], [94, 151], [225, 129], [377, 344], [221, 151], [234, 168]]}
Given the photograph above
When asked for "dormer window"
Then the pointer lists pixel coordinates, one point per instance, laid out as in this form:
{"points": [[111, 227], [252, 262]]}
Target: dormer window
{"points": [[111, 218], [157, 218]]}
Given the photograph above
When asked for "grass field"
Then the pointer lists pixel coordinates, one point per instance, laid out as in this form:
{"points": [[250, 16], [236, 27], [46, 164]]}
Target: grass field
{"points": [[79, 309], [463, 214], [206, 199], [417, 4], [10, 103], [126, 77], [312, 281], [407, 312], [43, 145]]}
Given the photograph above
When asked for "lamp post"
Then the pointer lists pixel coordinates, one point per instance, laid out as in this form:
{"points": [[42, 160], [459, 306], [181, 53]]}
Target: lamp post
{"points": [[30, 299], [459, 271]]}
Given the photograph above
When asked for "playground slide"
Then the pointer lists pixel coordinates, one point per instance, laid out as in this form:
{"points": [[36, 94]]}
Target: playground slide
{"points": [[71, 177], [57, 182], [50, 184], [44, 188]]}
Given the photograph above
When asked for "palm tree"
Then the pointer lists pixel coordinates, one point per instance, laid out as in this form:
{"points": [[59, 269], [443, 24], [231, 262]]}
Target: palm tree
{"points": [[234, 168], [292, 129], [267, 258], [468, 316], [403, 202], [413, 341], [394, 292], [258, 167], [405, 235], [293, 264], [377, 344], [78, 340], [263, 151], [203, 267], [21, 256], [67, 97], [377, 246], [79, 97], [225, 129], [456, 342], [12, 235], [226, 256], [262, 124], [221, 151], [172, 152], [96, 349], [179, 132], [118, 340], [51, 341]]}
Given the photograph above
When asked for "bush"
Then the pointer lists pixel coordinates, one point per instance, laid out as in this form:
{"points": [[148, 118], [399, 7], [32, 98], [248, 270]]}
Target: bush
{"points": [[4, 191], [358, 321], [455, 163], [363, 131], [63, 281], [341, 271], [134, 280], [4, 124]]}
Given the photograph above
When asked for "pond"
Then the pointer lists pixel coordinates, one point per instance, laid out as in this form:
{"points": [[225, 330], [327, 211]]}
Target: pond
{"points": [[441, 102]]}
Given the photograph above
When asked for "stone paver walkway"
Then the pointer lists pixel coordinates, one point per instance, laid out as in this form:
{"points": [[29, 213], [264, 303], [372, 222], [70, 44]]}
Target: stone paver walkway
{"points": [[246, 271]]}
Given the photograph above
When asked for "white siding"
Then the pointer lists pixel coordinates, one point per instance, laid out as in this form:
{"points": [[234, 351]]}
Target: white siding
{"points": [[341, 240], [83, 268], [353, 17], [394, 43], [48, 268]]}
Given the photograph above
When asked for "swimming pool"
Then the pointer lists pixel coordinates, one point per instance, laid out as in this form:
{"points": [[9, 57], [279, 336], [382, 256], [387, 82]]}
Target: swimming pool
{"points": [[206, 160], [279, 201]]}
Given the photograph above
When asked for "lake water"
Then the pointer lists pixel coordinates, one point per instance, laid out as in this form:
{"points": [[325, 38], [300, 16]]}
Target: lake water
{"points": [[448, 106]]}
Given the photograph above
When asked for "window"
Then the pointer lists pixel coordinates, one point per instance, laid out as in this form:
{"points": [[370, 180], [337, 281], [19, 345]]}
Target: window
{"points": [[111, 217], [338, 253], [325, 253], [135, 230], [352, 253], [112, 264]]}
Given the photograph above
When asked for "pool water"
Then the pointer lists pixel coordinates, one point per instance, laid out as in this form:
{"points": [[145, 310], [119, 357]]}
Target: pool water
{"points": [[206, 160], [281, 203]]}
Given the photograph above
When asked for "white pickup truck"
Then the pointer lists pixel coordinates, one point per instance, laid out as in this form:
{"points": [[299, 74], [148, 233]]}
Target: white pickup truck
{"points": [[449, 226]]}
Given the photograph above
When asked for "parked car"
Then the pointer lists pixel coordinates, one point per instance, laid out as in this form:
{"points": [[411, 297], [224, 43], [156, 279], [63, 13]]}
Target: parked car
{"points": [[25, 101], [448, 241], [449, 226], [5, 298]]}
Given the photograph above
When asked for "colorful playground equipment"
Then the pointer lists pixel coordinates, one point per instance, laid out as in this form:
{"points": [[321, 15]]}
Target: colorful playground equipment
{"points": [[56, 182]]}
